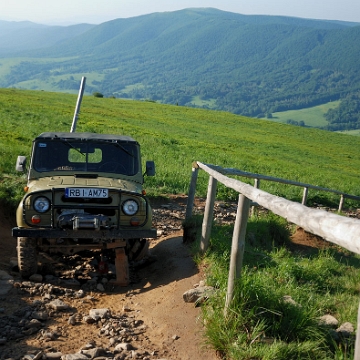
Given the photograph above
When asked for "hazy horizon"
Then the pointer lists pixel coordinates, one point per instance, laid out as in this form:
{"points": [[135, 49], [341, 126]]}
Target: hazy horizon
{"points": [[67, 12]]}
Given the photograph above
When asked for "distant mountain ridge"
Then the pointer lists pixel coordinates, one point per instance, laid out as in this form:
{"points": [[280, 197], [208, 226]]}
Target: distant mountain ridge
{"points": [[25, 35], [246, 64], [10, 31]]}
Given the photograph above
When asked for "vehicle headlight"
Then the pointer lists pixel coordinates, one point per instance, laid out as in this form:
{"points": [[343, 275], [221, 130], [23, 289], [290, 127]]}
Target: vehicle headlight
{"points": [[130, 207], [41, 204]]}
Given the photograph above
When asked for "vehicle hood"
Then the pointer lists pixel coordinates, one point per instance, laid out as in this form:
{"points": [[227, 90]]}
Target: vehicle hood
{"points": [[47, 183]]}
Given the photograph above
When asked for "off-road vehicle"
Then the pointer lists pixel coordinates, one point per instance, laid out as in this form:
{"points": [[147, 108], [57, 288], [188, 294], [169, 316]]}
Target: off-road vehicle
{"points": [[84, 192]]}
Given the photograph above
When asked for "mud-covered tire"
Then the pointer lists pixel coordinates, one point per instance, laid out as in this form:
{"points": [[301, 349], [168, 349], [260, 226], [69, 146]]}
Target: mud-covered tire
{"points": [[27, 256], [137, 249]]}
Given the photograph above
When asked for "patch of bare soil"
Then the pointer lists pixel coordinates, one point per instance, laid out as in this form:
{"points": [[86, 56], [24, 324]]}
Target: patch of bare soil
{"points": [[302, 238]]}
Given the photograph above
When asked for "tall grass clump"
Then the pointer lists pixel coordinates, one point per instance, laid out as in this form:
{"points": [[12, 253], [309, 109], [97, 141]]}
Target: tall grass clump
{"points": [[281, 295]]}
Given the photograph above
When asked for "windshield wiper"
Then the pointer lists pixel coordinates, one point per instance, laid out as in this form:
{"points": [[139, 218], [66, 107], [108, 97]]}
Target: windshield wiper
{"points": [[71, 145], [123, 149]]}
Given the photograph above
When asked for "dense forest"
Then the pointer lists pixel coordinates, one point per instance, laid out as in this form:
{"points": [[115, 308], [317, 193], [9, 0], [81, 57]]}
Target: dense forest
{"points": [[248, 65], [346, 116]]}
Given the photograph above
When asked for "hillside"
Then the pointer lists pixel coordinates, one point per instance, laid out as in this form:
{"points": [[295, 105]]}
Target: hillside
{"points": [[175, 136], [249, 65]]}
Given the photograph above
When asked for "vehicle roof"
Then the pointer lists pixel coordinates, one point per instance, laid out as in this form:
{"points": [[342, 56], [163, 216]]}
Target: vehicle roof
{"points": [[85, 136]]}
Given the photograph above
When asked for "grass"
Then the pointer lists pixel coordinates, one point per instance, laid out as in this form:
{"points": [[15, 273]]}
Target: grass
{"points": [[130, 88], [260, 324], [47, 84], [175, 136], [312, 117], [197, 101], [351, 132], [6, 64]]}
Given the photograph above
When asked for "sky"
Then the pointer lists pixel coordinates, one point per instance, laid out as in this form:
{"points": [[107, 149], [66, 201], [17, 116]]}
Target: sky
{"points": [[67, 12]]}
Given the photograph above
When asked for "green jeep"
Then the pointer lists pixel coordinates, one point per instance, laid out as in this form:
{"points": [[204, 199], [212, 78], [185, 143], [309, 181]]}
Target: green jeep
{"points": [[84, 191]]}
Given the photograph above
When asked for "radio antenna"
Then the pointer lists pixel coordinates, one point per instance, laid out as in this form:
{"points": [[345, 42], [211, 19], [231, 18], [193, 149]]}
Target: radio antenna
{"points": [[78, 104]]}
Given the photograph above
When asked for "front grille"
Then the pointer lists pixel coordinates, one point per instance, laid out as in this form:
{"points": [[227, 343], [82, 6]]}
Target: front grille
{"points": [[110, 207]]}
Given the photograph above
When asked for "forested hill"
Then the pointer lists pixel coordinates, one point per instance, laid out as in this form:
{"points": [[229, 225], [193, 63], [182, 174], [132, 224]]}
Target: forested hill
{"points": [[248, 65]]}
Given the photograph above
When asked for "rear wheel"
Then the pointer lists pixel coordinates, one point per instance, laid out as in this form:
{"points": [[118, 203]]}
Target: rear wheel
{"points": [[27, 256]]}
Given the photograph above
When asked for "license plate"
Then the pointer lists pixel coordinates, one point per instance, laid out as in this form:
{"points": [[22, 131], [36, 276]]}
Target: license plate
{"points": [[92, 193]]}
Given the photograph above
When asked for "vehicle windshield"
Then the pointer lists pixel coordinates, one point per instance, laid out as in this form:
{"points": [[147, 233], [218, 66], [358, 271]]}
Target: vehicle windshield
{"points": [[64, 155]]}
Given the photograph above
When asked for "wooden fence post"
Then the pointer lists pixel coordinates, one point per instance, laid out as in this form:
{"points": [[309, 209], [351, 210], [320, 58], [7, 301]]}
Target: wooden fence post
{"points": [[237, 247], [357, 340], [305, 194], [192, 189], [341, 204], [208, 215], [256, 186]]}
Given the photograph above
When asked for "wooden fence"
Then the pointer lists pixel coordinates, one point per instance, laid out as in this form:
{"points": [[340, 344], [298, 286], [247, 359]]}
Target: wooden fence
{"points": [[337, 229]]}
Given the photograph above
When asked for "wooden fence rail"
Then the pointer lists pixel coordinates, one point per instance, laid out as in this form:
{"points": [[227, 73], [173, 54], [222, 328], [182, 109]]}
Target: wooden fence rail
{"points": [[337, 229], [258, 177]]}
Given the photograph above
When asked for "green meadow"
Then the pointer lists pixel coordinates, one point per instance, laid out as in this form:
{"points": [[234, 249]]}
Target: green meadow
{"points": [[312, 117], [351, 132], [175, 136]]}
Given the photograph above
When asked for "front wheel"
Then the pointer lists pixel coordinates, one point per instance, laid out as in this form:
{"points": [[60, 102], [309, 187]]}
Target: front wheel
{"points": [[27, 256], [137, 249]]}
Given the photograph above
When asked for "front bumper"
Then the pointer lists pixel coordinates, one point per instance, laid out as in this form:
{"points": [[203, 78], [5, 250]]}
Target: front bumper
{"points": [[102, 234]]}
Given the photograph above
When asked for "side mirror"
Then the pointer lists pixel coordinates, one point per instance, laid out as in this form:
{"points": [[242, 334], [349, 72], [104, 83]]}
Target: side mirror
{"points": [[150, 168], [20, 163]]}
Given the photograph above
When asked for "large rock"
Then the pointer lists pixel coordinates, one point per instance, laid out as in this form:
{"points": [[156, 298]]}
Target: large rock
{"points": [[329, 320], [346, 329], [77, 356], [99, 313], [37, 278], [123, 347], [94, 353], [58, 305], [198, 294]]}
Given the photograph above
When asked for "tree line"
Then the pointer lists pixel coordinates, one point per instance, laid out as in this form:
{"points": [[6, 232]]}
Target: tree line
{"points": [[346, 116]]}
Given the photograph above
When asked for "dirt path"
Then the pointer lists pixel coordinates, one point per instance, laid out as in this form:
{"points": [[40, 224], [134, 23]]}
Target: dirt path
{"points": [[174, 330]]}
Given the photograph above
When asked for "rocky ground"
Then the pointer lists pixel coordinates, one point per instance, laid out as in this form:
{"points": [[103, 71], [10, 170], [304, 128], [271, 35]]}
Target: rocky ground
{"points": [[72, 312]]}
